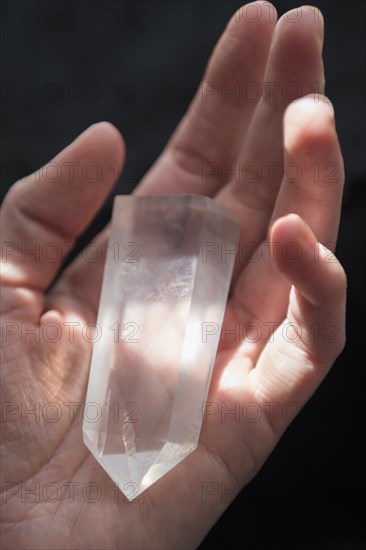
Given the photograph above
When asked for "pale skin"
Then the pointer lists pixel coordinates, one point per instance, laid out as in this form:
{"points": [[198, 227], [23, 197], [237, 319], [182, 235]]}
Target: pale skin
{"points": [[310, 291]]}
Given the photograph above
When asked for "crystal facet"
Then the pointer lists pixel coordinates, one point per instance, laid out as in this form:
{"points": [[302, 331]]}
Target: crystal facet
{"points": [[166, 280]]}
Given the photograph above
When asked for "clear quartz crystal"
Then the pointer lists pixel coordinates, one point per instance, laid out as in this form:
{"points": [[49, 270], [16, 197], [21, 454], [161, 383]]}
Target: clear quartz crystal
{"points": [[166, 280]]}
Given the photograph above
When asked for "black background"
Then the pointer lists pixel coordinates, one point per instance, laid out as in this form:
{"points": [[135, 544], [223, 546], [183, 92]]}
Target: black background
{"points": [[137, 65]]}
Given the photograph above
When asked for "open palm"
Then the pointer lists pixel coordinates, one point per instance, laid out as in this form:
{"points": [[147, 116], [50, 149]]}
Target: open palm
{"points": [[261, 155]]}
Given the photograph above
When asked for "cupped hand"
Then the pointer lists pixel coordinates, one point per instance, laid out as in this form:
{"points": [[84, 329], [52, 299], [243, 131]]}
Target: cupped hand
{"points": [[259, 137]]}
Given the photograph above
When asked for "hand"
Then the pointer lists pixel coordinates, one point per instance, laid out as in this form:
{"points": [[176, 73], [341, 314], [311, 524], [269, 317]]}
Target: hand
{"points": [[292, 297]]}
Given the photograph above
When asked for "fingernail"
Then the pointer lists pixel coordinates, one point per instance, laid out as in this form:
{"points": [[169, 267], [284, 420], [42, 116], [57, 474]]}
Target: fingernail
{"points": [[302, 230], [306, 108], [316, 14]]}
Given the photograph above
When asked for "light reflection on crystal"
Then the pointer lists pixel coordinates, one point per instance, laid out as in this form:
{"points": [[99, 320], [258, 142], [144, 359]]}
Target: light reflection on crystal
{"points": [[151, 368]]}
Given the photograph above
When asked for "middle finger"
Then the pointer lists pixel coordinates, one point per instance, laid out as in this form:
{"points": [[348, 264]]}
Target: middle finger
{"points": [[294, 69]]}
